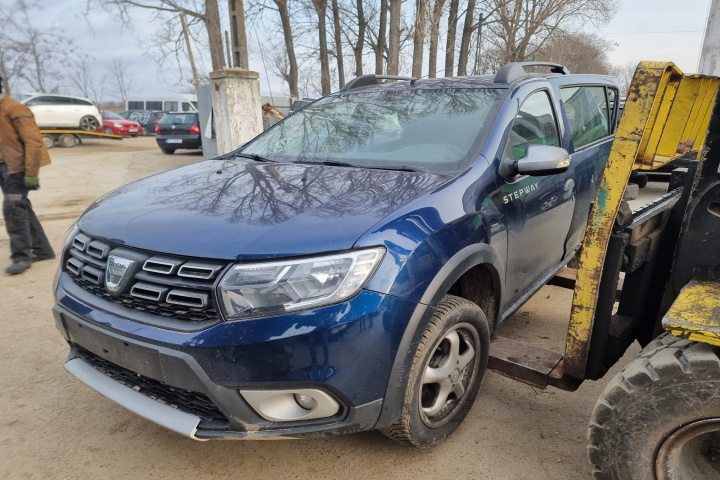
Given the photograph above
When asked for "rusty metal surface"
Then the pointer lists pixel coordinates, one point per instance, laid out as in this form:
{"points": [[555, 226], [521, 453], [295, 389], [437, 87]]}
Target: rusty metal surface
{"points": [[647, 121], [696, 313], [523, 362]]}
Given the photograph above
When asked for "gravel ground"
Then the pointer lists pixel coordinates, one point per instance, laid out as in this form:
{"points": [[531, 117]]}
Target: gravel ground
{"points": [[55, 427]]}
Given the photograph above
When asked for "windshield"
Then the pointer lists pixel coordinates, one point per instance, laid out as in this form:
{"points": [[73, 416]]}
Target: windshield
{"points": [[111, 116], [179, 119], [436, 131]]}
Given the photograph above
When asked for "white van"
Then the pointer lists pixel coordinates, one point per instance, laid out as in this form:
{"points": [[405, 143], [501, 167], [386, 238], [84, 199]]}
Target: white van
{"points": [[164, 102]]}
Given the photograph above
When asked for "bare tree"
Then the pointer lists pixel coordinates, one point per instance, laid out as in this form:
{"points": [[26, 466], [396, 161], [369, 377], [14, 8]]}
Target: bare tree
{"points": [[393, 64], [419, 37], [523, 26], [451, 32], [206, 12], [360, 44], [381, 38], [580, 52], [85, 81], [29, 55], [435, 16], [320, 7], [625, 73], [290, 73], [338, 42], [468, 28], [121, 78]]}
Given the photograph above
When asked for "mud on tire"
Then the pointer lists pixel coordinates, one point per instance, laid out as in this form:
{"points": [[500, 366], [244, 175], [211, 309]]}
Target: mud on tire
{"points": [[649, 421], [452, 357]]}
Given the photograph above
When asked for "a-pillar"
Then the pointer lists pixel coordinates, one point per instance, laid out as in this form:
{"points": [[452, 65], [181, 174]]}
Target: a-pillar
{"points": [[237, 108]]}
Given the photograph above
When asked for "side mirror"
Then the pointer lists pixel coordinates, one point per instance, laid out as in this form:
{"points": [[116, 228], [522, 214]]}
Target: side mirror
{"points": [[543, 160]]}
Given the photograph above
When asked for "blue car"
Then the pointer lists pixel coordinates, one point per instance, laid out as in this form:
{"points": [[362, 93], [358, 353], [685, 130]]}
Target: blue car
{"points": [[344, 270]]}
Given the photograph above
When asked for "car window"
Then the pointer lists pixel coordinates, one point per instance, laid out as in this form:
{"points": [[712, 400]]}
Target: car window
{"points": [[179, 119], [171, 106], [47, 100], [136, 105], [436, 131], [185, 107], [111, 116], [587, 113], [535, 124], [78, 101], [153, 105]]}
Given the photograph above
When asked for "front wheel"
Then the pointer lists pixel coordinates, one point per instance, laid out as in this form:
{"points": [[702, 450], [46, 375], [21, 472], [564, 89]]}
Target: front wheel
{"points": [[107, 131], [449, 366], [144, 132], [89, 124], [168, 151], [660, 417]]}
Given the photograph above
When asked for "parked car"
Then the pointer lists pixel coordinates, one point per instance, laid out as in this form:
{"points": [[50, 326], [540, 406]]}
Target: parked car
{"points": [[114, 124], [343, 270], [178, 130], [147, 119], [64, 111]]}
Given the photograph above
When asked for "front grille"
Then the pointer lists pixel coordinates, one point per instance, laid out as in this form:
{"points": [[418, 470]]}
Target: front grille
{"points": [[175, 287], [187, 401]]}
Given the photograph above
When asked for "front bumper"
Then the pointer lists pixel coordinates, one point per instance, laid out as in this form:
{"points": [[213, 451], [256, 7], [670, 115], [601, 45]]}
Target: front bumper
{"points": [[346, 350]]}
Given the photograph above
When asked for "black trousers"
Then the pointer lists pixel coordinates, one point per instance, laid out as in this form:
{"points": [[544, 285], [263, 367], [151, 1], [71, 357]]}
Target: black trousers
{"points": [[27, 237]]}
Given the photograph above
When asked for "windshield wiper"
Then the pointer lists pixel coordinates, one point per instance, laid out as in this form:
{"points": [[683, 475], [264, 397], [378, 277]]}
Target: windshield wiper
{"points": [[404, 168], [255, 157], [333, 163]]}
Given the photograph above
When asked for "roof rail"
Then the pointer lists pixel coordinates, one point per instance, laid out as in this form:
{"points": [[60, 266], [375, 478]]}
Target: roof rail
{"points": [[512, 71], [369, 80]]}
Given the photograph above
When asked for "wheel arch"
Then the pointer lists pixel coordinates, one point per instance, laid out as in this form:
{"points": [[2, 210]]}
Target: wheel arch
{"points": [[462, 271]]}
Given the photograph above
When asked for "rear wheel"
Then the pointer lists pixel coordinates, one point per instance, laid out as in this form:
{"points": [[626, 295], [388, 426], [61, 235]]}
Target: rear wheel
{"points": [[446, 374], [48, 140], [660, 417], [168, 151], [89, 124], [67, 140]]}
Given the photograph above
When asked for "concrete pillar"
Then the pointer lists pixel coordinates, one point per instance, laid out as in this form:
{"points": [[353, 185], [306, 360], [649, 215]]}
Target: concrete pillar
{"points": [[710, 56], [236, 107]]}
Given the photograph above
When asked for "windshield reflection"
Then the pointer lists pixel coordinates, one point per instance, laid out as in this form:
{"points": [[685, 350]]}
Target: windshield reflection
{"points": [[435, 131]]}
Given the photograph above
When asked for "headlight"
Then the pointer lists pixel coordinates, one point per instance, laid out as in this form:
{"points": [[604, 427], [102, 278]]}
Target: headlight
{"points": [[273, 288], [117, 125]]}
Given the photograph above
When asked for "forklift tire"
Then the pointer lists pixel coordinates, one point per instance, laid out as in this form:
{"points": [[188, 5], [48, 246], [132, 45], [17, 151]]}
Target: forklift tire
{"points": [[447, 371], [168, 151], [660, 417]]}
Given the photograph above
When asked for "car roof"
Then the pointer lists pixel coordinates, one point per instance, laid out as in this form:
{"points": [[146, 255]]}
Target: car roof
{"points": [[58, 95]]}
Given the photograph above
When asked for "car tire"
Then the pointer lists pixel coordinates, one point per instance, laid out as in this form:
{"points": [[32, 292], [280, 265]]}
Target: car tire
{"points": [[168, 151], [660, 416], [107, 131], [48, 140], [89, 123], [144, 132], [447, 371], [67, 140]]}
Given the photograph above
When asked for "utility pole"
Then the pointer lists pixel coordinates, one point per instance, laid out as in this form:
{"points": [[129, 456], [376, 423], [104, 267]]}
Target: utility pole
{"points": [[709, 63], [187, 42], [237, 31]]}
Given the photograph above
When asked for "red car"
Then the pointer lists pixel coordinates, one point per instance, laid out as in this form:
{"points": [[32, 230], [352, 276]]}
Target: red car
{"points": [[114, 124]]}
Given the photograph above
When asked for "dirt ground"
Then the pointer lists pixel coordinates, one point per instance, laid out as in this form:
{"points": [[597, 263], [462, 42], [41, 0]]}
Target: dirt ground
{"points": [[55, 427]]}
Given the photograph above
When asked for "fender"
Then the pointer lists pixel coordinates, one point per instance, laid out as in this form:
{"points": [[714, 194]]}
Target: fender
{"points": [[450, 273]]}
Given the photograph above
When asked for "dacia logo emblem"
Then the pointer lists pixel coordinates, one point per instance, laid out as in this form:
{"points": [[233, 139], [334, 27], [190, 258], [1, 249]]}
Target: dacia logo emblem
{"points": [[117, 269]]}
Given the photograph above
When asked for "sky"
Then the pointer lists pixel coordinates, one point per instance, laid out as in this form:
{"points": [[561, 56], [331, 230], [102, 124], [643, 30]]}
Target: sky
{"points": [[641, 30]]}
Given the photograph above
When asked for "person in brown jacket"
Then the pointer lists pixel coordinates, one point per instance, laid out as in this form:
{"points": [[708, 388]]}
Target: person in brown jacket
{"points": [[22, 153]]}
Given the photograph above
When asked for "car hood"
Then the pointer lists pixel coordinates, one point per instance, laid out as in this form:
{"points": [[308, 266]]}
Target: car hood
{"points": [[232, 209]]}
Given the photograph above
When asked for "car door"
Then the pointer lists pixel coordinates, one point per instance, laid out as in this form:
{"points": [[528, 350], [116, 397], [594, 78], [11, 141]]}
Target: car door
{"points": [[538, 209], [590, 123], [67, 112], [44, 109]]}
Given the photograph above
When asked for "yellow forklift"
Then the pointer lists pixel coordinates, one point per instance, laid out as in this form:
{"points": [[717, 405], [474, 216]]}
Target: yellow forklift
{"points": [[652, 276]]}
